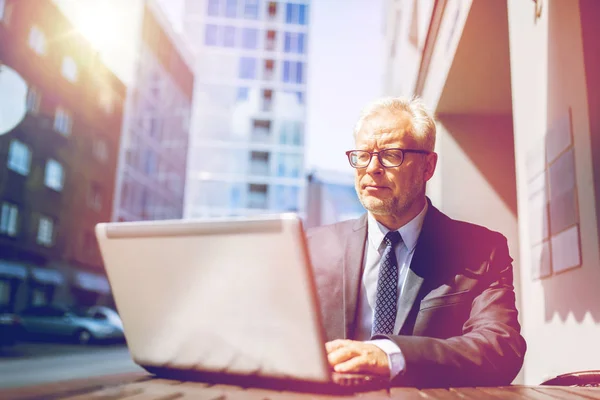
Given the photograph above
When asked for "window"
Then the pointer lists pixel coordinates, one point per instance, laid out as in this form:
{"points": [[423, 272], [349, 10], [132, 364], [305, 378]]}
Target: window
{"points": [[259, 163], [62, 121], [8, 219], [257, 196], [296, 14], [293, 72], [19, 157], [294, 43], [229, 36], [39, 296], [291, 133], [242, 94], [54, 175], [45, 230], [5, 12], [272, 10], [286, 198], [251, 9], [69, 69], [211, 37], [299, 96], [267, 100], [213, 8], [100, 150], [33, 100], [94, 198], [249, 38], [268, 71], [289, 165], [247, 68], [37, 40], [231, 8], [270, 41], [261, 130], [150, 163]]}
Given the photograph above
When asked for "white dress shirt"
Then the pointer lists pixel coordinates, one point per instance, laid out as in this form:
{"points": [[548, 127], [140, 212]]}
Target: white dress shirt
{"points": [[374, 248]]}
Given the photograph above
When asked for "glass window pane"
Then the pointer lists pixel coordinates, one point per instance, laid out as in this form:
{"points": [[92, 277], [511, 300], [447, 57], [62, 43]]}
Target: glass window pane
{"points": [[19, 157], [287, 44], [211, 35], [231, 8], [247, 68], [289, 10], [242, 94], [299, 72], [8, 219], [229, 36], [53, 177], [286, 71], [249, 38], [69, 69], [213, 8], [301, 38], [302, 17], [251, 9]]}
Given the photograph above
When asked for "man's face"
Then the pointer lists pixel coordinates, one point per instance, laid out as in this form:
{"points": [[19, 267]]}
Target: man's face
{"points": [[398, 190]]}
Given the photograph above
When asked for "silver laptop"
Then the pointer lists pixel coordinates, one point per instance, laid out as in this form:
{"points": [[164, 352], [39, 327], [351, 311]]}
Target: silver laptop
{"points": [[219, 299]]}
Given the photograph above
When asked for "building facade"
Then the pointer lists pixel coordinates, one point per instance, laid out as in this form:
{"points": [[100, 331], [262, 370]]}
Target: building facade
{"points": [[58, 165], [152, 163], [331, 198], [514, 86], [247, 136]]}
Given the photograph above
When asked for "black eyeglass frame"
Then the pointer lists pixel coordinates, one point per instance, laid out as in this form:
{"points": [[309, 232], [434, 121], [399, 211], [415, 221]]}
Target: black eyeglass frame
{"points": [[371, 153]]}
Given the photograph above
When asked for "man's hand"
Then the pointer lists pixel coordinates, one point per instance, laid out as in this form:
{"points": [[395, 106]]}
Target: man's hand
{"points": [[357, 357]]}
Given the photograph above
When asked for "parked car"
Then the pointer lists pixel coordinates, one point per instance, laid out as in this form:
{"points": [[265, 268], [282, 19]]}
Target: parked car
{"points": [[10, 328], [103, 313], [60, 322]]}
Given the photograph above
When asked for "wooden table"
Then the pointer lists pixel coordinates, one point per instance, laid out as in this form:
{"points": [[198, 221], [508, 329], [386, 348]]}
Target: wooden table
{"points": [[141, 386]]}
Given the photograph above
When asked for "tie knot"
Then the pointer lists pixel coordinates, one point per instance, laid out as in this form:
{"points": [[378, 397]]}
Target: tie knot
{"points": [[392, 238]]}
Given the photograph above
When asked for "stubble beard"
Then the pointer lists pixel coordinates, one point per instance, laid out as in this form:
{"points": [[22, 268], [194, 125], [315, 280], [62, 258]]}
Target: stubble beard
{"points": [[397, 205]]}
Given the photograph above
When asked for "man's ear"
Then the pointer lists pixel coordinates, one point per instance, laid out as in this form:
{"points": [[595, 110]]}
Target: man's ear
{"points": [[430, 163]]}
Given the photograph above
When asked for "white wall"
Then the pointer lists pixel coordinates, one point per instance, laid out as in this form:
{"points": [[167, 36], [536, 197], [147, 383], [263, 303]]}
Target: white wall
{"points": [[561, 313]]}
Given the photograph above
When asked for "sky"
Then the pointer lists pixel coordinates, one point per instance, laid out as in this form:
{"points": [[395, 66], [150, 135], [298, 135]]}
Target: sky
{"points": [[345, 73]]}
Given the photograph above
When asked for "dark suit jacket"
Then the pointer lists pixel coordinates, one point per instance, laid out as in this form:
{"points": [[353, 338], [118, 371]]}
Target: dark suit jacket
{"points": [[459, 321]]}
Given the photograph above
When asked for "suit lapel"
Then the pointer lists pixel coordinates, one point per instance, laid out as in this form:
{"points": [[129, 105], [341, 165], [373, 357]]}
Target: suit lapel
{"points": [[422, 264], [352, 271], [408, 297]]}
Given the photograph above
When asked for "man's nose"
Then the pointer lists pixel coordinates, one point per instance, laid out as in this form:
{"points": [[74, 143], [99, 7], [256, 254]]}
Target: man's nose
{"points": [[374, 166]]}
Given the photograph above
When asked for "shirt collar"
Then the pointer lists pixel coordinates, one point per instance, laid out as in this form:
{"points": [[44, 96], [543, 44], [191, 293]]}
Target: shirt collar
{"points": [[410, 231]]}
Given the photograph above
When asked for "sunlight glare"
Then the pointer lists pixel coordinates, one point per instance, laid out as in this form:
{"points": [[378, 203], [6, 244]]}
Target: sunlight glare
{"points": [[96, 23]]}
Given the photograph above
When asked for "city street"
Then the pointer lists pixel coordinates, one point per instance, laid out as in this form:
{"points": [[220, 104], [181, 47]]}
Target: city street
{"points": [[28, 364]]}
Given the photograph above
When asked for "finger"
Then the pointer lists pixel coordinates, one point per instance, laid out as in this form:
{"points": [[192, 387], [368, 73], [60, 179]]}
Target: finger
{"points": [[340, 355], [366, 364], [358, 364], [336, 344]]}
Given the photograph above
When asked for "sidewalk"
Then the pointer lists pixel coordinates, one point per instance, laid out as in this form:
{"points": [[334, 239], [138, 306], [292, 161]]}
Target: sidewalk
{"points": [[55, 363], [41, 349]]}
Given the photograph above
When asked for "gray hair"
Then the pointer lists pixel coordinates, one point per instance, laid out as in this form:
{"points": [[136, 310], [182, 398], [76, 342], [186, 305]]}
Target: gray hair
{"points": [[421, 119]]}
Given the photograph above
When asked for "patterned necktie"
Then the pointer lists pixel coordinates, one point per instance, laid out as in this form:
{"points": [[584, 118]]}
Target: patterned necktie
{"points": [[384, 317]]}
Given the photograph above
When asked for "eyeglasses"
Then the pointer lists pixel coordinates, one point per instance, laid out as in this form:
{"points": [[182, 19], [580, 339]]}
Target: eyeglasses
{"points": [[388, 158]]}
